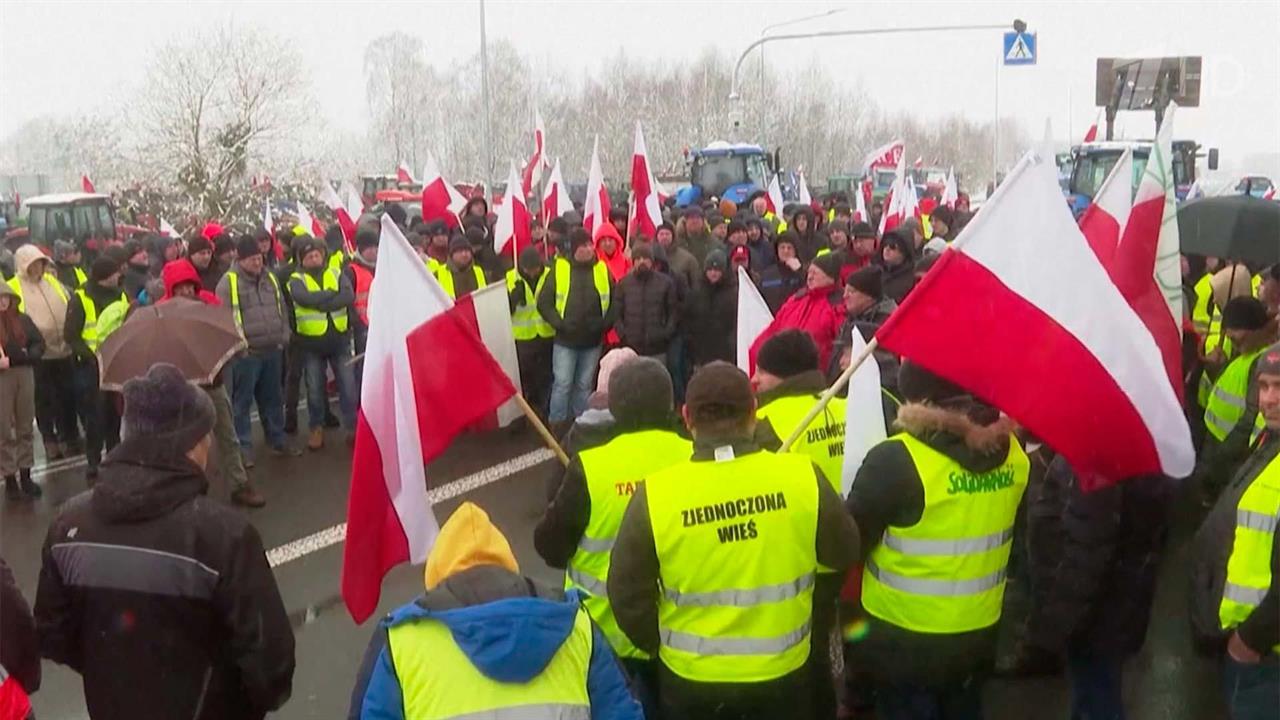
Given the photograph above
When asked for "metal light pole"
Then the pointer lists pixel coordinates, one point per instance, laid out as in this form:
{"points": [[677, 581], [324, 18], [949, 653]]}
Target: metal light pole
{"points": [[484, 92], [765, 31]]}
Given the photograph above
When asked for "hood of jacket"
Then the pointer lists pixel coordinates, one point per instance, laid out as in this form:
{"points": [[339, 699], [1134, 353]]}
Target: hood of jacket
{"points": [[6, 290], [141, 481], [978, 447], [180, 271], [27, 254]]}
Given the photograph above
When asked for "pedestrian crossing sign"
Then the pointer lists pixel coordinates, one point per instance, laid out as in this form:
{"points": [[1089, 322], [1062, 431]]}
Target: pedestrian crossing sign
{"points": [[1019, 48]]}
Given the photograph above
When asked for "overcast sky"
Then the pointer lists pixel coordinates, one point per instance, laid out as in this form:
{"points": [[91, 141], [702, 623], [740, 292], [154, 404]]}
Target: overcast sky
{"points": [[64, 57]]}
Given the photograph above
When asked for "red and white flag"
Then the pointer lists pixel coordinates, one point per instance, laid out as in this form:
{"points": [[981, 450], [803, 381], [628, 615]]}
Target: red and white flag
{"points": [[919, 163], [440, 199], [1091, 134], [1071, 362], [340, 213], [754, 317], [411, 408], [1103, 221], [351, 199], [950, 190], [511, 232], [532, 173], [555, 200], [86, 184], [860, 196], [773, 196], [595, 211], [167, 230], [403, 173], [899, 200], [646, 205], [268, 222], [888, 155], [803, 194], [309, 221]]}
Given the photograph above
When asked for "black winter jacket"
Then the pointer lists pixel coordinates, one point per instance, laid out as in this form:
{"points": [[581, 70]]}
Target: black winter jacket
{"points": [[28, 353], [582, 325], [711, 321], [648, 312], [779, 282], [74, 327], [20, 649], [161, 598]]}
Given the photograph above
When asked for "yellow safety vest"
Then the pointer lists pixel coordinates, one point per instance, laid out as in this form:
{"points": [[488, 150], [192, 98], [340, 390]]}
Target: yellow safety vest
{"points": [[1228, 400], [50, 278], [433, 265], [1249, 567], [438, 681], [946, 573], [233, 282], [90, 333], [822, 442], [312, 322], [599, 274], [445, 276], [335, 260], [526, 321], [735, 539], [613, 471]]}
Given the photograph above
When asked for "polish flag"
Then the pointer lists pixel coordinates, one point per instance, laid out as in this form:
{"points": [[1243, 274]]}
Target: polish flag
{"points": [[340, 213], [166, 229], [440, 199], [309, 222], [595, 212], [919, 163], [1091, 134], [411, 408], [555, 200], [803, 194], [268, 222], [860, 196], [511, 229], [950, 190], [646, 206], [897, 203], [888, 155], [86, 184], [1054, 356], [1104, 220], [754, 317], [864, 414], [403, 173], [773, 196], [532, 173], [351, 200]]}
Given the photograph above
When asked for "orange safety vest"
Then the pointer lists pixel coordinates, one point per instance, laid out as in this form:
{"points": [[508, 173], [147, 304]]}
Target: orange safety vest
{"points": [[364, 281]]}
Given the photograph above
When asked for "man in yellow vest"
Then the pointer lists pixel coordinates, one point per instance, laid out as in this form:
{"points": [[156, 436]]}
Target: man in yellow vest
{"points": [[460, 275], [580, 524], [322, 297], [1235, 600], [486, 641], [534, 335], [97, 414], [935, 505], [715, 561], [1232, 408]]}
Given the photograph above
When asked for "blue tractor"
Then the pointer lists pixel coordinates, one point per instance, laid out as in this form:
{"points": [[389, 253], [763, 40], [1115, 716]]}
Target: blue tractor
{"points": [[726, 171], [1091, 163]]}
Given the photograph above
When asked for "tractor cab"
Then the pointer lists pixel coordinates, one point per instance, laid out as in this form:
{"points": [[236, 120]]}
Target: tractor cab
{"points": [[729, 172], [87, 219], [371, 185]]}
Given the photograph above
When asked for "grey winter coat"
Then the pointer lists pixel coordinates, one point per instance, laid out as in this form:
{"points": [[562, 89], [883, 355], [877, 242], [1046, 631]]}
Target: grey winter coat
{"points": [[262, 310]]}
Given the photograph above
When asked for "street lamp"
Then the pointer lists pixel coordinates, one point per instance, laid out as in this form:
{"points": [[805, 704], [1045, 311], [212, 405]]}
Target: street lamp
{"points": [[784, 23]]}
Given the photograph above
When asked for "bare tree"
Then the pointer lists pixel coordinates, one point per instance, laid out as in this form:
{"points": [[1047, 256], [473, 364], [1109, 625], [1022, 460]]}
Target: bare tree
{"points": [[400, 88]]}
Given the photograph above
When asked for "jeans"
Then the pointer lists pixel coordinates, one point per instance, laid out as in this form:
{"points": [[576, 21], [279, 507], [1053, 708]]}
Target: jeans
{"points": [[256, 377], [1252, 690], [1096, 684], [908, 702], [572, 372], [677, 362], [314, 364]]}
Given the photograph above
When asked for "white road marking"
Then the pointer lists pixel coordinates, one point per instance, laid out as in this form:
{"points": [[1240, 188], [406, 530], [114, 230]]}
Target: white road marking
{"points": [[333, 535]]}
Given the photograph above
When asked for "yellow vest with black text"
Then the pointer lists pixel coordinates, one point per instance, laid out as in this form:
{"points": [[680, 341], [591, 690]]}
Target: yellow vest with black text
{"points": [[564, 275], [91, 334], [1228, 400], [50, 278], [946, 573], [735, 539], [526, 321], [438, 681], [613, 471], [822, 441], [310, 321], [445, 276], [1249, 567]]}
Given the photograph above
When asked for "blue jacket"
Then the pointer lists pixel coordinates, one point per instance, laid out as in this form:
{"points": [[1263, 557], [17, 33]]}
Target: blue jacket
{"points": [[509, 639]]}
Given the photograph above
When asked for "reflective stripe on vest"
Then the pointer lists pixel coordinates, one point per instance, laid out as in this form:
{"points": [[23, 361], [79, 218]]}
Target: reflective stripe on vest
{"points": [[946, 573], [58, 289], [445, 276], [438, 681], [310, 321], [599, 274], [1227, 401], [612, 472], [526, 321], [1249, 566], [90, 332], [822, 441], [233, 284], [364, 281], [736, 556]]}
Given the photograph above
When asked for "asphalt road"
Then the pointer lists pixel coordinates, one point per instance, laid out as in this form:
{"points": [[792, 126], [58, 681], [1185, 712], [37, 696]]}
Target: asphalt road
{"points": [[307, 496]]}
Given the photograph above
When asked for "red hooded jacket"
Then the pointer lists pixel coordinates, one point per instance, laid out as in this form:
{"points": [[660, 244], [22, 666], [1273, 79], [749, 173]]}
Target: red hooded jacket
{"points": [[811, 312], [179, 271], [617, 263]]}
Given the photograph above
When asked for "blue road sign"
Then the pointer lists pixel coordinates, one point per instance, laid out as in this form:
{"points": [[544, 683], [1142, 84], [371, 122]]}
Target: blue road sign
{"points": [[1019, 48]]}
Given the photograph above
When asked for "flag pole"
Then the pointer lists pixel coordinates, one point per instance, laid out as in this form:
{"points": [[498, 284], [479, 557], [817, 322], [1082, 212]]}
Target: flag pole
{"points": [[829, 393], [541, 427]]}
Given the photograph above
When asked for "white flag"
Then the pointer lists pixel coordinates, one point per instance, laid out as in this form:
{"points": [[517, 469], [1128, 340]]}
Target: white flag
{"points": [[753, 318], [864, 413]]}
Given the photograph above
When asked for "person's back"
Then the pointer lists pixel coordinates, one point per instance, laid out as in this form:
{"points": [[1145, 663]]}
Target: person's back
{"points": [[160, 597]]}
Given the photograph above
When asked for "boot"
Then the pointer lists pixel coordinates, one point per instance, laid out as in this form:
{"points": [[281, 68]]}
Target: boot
{"points": [[248, 496], [331, 420], [27, 485], [291, 420], [54, 450], [316, 441], [11, 490]]}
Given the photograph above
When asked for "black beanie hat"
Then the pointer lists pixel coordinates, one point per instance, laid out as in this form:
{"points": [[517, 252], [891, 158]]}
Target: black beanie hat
{"points": [[867, 281], [641, 251], [577, 238], [459, 242], [530, 258], [787, 354], [558, 226], [247, 247], [366, 237], [167, 409], [397, 213], [1244, 313], [716, 260], [640, 394], [862, 229], [197, 244], [829, 264], [104, 267], [223, 244]]}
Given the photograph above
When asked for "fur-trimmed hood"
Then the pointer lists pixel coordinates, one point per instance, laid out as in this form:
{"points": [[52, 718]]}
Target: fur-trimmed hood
{"points": [[956, 434]]}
